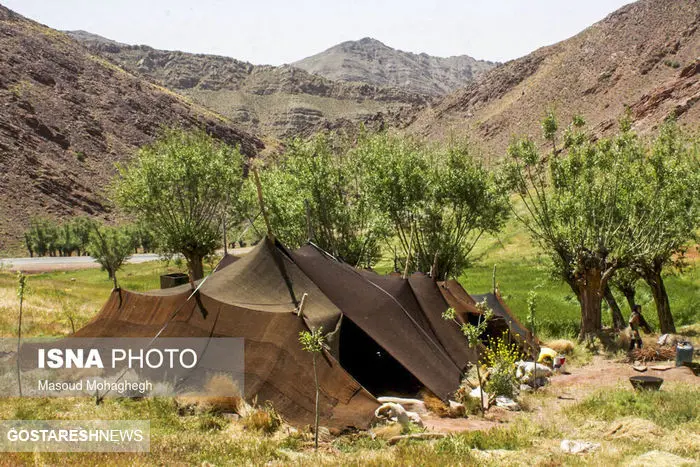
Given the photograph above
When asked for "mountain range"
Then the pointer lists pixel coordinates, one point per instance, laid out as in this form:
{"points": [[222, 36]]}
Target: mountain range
{"points": [[75, 103], [356, 82], [370, 61]]}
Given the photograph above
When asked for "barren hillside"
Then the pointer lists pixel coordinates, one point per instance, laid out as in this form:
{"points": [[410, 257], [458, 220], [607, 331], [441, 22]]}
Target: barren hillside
{"points": [[67, 117], [643, 56]]}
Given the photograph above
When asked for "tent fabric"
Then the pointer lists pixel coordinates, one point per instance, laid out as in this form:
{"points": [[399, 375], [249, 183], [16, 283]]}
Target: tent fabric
{"points": [[517, 330], [420, 296], [464, 305], [252, 298], [432, 302], [388, 313]]}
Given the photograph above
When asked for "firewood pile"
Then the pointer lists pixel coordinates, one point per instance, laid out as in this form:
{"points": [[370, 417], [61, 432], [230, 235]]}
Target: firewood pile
{"points": [[652, 354]]}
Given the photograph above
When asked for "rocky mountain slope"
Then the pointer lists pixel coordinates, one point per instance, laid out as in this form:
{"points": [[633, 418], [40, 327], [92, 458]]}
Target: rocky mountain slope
{"points": [[67, 117], [273, 101], [643, 57], [370, 61]]}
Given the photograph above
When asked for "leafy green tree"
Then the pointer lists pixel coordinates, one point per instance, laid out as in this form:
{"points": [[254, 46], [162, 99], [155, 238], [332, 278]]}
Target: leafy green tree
{"points": [[65, 239], [316, 189], [313, 342], [111, 247], [442, 194], [473, 333], [578, 202], [178, 188], [40, 237], [667, 212], [81, 228]]}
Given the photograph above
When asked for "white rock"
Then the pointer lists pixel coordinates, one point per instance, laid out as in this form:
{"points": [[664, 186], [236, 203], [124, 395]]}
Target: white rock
{"points": [[578, 447], [413, 405], [395, 412], [507, 403], [456, 405]]}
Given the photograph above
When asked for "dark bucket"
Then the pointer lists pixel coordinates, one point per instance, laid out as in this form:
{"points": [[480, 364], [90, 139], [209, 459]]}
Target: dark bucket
{"points": [[173, 280], [649, 383]]}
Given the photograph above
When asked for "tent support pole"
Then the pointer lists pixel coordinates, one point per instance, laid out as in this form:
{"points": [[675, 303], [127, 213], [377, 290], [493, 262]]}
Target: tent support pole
{"points": [[309, 227], [408, 257], [261, 201], [495, 290], [300, 310], [223, 221]]}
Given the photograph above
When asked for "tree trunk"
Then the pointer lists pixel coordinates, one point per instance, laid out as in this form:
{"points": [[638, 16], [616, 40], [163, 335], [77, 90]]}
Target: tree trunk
{"points": [[617, 318], [591, 298], [195, 267], [663, 307], [629, 293]]}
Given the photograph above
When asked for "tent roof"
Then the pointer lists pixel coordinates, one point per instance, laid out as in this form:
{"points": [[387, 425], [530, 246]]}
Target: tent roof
{"points": [[517, 329], [251, 299], [386, 311]]}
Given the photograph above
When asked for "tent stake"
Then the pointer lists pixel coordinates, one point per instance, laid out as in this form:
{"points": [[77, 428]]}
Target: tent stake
{"points": [[261, 201], [408, 257]]}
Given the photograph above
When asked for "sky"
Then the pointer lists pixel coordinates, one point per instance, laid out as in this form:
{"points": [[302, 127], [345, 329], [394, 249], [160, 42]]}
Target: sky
{"points": [[283, 31]]}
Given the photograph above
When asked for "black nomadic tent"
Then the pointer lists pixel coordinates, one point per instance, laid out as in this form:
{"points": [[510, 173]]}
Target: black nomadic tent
{"points": [[386, 333]]}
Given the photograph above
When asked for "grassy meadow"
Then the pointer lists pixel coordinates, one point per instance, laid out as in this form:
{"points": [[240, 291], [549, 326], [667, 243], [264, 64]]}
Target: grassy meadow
{"points": [[627, 425]]}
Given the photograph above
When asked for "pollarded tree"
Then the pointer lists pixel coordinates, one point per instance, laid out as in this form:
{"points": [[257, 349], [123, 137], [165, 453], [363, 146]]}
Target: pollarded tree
{"points": [[111, 247], [178, 188], [441, 194], [667, 212], [577, 201], [315, 189]]}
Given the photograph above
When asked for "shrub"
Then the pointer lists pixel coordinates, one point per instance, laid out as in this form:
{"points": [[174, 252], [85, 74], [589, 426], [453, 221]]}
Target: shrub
{"points": [[262, 419], [500, 357]]}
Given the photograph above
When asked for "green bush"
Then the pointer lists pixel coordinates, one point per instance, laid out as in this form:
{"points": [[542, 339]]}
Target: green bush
{"points": [[500, 356]]}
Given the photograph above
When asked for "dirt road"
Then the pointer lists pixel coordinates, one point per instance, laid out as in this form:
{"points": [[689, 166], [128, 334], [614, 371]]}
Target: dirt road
{"points": [[70, 263]]}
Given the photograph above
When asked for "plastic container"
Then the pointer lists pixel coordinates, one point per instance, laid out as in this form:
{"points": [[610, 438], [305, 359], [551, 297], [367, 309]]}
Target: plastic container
{"points": [[559, 362], [684, 353]]}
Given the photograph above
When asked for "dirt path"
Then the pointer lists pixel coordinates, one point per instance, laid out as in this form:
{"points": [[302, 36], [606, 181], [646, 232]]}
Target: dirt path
{"points": [[565, 390]]}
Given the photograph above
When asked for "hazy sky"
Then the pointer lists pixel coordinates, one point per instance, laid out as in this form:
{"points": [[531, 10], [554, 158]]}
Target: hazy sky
{"points": [[282, 31]]}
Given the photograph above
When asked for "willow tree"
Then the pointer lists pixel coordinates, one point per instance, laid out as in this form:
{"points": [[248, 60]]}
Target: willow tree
{"points": [[315, 191], [441, 194], [111, 247], [578, 199], [667, 212], [178, 188]]}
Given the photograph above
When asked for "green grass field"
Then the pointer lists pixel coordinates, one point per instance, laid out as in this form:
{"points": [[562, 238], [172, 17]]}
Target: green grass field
{"points": [[53, 299], [668, 421]]}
